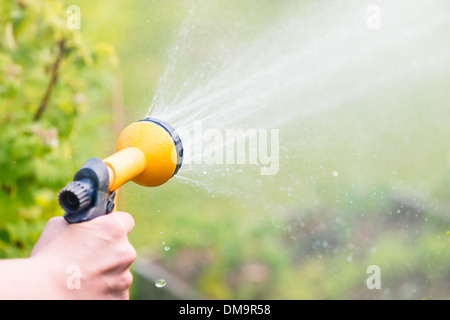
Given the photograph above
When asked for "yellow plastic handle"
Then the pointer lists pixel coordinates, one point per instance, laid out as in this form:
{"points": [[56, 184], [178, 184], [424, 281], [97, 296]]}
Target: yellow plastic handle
{"points": [[124, 166]]}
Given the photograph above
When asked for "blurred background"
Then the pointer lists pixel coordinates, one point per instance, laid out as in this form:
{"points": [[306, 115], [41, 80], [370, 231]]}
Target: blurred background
{"points": [[359, 92]]}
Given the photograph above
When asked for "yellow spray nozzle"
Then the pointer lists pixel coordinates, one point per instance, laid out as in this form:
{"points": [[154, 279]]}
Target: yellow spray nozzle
{"points": [[149, 152]]}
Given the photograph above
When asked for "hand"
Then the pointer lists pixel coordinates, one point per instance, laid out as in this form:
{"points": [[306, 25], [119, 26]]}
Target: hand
{"points": [[88, 260]]}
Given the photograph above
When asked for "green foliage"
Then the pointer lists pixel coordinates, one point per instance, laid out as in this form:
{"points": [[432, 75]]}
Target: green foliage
{"points": [[47, 73]]}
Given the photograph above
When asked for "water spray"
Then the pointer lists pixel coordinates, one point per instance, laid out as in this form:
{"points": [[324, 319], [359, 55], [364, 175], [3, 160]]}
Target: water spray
{"points": [[149, 152]]}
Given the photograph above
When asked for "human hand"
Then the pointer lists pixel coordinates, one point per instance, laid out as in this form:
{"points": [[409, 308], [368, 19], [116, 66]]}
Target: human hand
{"points": [[97, 252]]}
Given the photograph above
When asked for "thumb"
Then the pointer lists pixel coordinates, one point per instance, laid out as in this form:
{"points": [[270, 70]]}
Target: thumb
{"points": [[55, 226]]}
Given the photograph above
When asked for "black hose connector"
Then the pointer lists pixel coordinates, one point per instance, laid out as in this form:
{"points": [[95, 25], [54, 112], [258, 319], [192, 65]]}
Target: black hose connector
{"points": [[76, 196], [87, 196]]}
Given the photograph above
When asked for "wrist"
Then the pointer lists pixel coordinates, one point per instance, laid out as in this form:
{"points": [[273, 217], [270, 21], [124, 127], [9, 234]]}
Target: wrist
{"points": [[23, 279], [50, 278]]}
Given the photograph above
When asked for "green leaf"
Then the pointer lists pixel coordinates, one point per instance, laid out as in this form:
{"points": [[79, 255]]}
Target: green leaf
{"points": [[36, 156]]}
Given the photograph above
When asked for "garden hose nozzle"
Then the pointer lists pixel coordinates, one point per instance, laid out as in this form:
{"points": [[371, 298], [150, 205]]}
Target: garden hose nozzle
{"points": [[149, 152]]}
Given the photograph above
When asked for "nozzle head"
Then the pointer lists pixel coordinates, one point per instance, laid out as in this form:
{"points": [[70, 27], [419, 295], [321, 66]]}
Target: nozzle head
{"points": [[161, 146], [76, 196]]}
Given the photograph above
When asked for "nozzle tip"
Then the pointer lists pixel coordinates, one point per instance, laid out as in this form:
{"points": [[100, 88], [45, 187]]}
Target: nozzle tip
{"points": [[76, 196]]}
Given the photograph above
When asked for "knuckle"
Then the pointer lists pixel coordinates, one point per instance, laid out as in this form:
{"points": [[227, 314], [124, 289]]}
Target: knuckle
{"points": [[122, 282], [128, 254], [127, 279], [114, 225], [115, 228], [118, 231], [123, 256]]}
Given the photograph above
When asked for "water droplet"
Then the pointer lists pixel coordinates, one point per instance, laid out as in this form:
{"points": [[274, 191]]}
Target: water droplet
{"points": [[160, 283], [166, 248]]}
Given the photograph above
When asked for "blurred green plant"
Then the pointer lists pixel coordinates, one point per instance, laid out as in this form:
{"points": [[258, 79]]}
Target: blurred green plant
{"points": [[47, 74]]}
